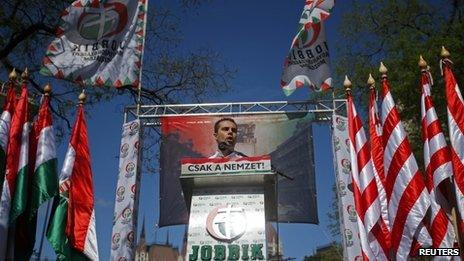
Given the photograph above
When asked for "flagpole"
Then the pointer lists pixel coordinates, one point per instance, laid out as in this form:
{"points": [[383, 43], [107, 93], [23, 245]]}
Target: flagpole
{"points": [[47, 89], [44, 229], [139, 91], [457, 217]]}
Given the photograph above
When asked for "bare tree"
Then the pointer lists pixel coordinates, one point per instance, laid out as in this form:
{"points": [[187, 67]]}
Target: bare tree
{"points": [[169, 75]]}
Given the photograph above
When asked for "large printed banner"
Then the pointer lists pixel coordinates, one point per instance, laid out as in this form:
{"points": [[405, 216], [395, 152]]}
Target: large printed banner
{"points": [[99, 43], [348, 225], [225, 166], [234, 222], [287, 139], [127, 194]]}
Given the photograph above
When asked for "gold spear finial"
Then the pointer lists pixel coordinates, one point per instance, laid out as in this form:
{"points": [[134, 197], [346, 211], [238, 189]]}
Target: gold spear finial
{"points": [[382, 68], [370, 80], [25, 75], [82, 97], [444, 53], [13, 75], [47, 89], [422, 63], [347, 83]]}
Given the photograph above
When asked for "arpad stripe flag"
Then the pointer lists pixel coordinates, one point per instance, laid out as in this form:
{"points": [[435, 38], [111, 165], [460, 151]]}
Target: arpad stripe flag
{"points": [[438, 168], [16, 168], [5, 122], [365, 189], [455, 105], [408, 198], [375, 134], [72, 226], [307, 63]]}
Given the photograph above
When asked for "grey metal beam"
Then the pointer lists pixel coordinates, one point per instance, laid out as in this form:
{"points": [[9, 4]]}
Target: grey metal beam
{"points": [[150, 114]]}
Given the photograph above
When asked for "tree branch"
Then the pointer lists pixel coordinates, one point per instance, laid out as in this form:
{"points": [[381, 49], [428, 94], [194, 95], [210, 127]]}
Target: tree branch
{"points": [[28, 32]]}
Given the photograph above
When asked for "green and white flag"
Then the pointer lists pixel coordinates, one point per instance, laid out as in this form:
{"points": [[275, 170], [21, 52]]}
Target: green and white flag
{"points": [[99, 43]]}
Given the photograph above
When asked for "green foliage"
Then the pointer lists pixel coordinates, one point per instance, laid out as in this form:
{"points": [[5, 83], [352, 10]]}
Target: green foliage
{"points": [[397, 32], [169, 74]]}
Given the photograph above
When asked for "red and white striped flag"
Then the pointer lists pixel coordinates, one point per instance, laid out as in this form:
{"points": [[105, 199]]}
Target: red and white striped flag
{"points": [[407, 195], [375, 134], [16, 168], [365, 187], [455, 105], [438, 167]]}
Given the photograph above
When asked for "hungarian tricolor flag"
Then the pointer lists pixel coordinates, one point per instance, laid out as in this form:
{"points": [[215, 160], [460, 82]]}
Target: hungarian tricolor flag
{"points": [[14, 193], [44, 183], [5, 121], [43, 179], [71, 231]]}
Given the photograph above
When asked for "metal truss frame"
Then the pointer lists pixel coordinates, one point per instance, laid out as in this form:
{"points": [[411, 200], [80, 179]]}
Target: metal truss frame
{"points": [[150, 115]]}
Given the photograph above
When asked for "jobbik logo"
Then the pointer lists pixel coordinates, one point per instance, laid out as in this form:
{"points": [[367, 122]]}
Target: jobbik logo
{"points": [[226, 224], [105, 21]]}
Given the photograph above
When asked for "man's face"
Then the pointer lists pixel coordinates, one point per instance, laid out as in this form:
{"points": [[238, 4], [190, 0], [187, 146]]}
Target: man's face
{"points": [[227, 133]]}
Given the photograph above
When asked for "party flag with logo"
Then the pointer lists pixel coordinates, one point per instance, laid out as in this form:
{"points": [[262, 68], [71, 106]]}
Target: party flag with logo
{"points": [[99, 43], [307, 63]]}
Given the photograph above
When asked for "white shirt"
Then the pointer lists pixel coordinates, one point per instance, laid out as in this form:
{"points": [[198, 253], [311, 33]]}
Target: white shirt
{"points": [[219, 154]]}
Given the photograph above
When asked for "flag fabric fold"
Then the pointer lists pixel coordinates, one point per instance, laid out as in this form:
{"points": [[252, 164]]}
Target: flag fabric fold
{"points": [[44, 183], [20, 193], [375, 134], [366, 194], [307, 63], [5, 122], [438, 168], [14, 193], [99, 43], [71, 230], [407, 195], [455, 110]]}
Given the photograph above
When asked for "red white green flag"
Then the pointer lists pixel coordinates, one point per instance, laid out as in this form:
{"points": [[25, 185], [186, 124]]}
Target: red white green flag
{"points": [[14, 194], [44, 183], [5, 122], [99, 43], [72, 224]]}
